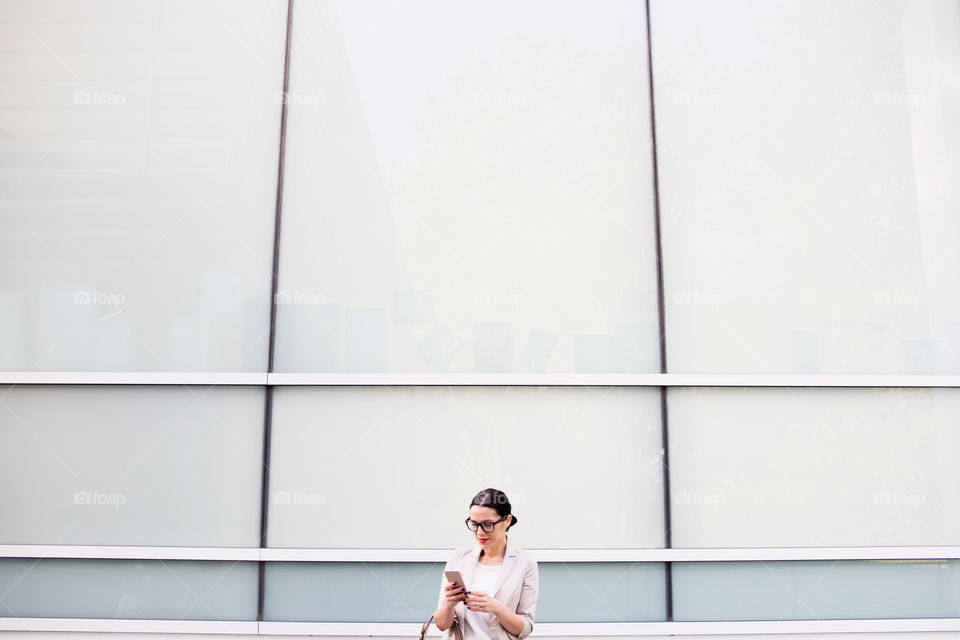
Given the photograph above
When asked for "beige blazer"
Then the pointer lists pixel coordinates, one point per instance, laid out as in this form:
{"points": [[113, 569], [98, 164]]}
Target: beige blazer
{"points": [[518, 586]]}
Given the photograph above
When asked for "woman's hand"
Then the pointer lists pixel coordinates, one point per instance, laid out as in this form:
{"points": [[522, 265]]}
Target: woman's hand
{"points": [[453, 594], [483, 602], [444, 616]]}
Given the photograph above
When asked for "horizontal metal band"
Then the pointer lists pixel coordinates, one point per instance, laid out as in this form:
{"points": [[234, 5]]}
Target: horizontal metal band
{"points": [[614, 379], [482, 379], [769, 554], [749, 627], [355, 555], [120, 552], [541, 630], [131, 626], [133, 377]]}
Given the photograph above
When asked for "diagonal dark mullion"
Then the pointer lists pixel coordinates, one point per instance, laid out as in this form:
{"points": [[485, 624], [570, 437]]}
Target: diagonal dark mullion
{"points": [[274, 284], [661, 320]]}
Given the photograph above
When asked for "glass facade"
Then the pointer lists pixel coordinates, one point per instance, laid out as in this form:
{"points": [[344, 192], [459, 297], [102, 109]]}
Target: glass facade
{"points": [[137, 465], [487, 237], [138, 186], [148, 589], [814, 467], [442, 203], [816, 590], [345, 461], [807, 155]]}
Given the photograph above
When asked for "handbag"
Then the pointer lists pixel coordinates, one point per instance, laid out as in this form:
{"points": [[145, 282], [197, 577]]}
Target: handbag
{"points": [[453, 632]]}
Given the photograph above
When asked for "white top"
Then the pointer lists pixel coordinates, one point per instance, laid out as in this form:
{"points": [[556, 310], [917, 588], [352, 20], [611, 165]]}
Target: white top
{"points": [[485, 581]]}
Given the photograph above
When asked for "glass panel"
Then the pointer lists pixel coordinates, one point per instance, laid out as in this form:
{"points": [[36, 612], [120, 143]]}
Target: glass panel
{"points": [[351, 591], [476, 199], [814, 467], [138, 155], [407, 592], [128, 465], [808, 155], [346, 460], [816, 590], [138, 589], [602, 592]]}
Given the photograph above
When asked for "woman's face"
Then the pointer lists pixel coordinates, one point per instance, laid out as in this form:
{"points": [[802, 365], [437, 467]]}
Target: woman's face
{"points": [[496, 537]]}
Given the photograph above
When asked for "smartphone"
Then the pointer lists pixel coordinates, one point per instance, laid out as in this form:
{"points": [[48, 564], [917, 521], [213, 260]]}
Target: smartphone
{"points": [[457, 579], [454, 577]]}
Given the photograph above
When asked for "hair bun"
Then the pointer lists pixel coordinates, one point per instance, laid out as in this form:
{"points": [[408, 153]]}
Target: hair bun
{"points": [[496, 500]]}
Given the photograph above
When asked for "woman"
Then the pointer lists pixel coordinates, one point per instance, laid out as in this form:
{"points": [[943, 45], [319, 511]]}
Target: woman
{"points": [[499, 598]]}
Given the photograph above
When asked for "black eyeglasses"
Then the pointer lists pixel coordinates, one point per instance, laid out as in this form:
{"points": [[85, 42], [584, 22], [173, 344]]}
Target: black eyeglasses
{"points": [[487, 526]]}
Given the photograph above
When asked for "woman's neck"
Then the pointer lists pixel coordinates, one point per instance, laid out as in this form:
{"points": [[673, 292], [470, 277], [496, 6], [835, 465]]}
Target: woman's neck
{"points": [[494, 554]]}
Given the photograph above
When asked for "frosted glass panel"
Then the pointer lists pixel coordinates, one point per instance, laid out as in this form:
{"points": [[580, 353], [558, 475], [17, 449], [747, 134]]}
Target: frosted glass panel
{"points": [[407, 592], [814, 467], [351, 591], [816, 590], [602, 592], [468, 190], [347, 460], [139, 589], [138, 155], [111, 465], [808, 154]]}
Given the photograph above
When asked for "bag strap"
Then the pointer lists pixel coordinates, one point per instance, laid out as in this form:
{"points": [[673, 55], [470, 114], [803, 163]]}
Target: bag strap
{"points": [[455, 628], [423, 629]]}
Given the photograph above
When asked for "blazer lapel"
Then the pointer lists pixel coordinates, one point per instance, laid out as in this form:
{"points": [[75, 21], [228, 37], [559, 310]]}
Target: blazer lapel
{"points": [[469, 564], [510, 556], [468, 570]]}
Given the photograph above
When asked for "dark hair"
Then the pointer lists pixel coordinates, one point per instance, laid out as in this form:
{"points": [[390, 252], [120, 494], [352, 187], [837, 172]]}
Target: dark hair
{"points": [[496, 500]]}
